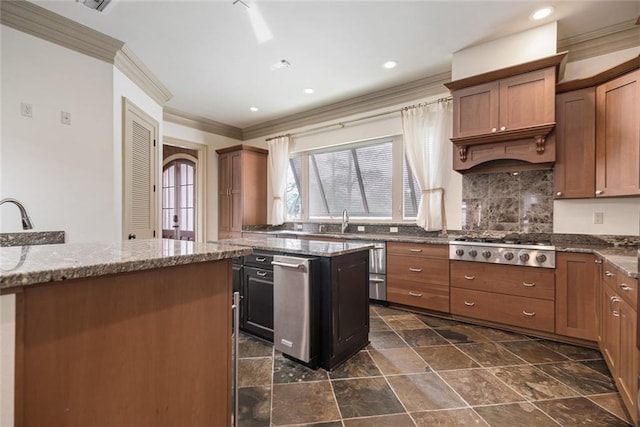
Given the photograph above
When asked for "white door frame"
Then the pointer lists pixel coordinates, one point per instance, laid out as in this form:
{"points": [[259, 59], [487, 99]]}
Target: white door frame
{"points": [[201, 179]]}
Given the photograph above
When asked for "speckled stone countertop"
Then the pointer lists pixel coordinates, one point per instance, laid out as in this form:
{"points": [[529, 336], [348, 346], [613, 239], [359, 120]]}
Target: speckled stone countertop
{"points": [[436, 240], [301, 247], [29, 265], [31, 238]]}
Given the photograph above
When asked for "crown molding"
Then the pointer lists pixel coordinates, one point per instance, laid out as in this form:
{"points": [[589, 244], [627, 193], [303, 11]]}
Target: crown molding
{"points": [[131, 66], [196, 122], [42, 23], [616, 37], [411, 91]]}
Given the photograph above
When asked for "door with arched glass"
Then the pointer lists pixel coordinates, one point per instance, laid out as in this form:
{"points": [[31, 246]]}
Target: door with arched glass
{"points": [[179, 197]]}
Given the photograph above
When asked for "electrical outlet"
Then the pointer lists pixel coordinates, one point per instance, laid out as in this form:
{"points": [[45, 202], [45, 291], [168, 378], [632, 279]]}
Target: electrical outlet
{"points": [[298, 226], [361, 228], [26, 109], [598, 217], [65, 118], [393, 229]]}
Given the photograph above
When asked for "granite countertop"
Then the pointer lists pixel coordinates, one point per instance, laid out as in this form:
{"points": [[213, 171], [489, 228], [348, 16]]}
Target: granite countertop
{"points": [[31, 238], [367, 237], [298, 246], [29, 265]]}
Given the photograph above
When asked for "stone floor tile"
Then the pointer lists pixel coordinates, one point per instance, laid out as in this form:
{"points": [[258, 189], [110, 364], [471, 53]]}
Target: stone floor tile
{"points": [[385, 339], [421, 337], [531, 383], [360, 365], [254, 406], [479, 387], [300, 403], [533, 351], [445, 357], [448, 418], [421, 392], [393, 361], [579, 377], [515, 414], [490, 354], [288, 371], [612, 403], [398, 420], [255, 371], [364, 397], [579, 411], [405, 321]]}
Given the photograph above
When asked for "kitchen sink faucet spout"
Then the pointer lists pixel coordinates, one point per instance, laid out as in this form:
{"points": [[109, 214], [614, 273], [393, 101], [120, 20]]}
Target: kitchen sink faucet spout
{"points": [[26, 221], [345, 220]]}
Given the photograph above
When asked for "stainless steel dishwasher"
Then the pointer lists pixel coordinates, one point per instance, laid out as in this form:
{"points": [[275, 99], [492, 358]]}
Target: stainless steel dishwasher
{"points": [[293, 306]]}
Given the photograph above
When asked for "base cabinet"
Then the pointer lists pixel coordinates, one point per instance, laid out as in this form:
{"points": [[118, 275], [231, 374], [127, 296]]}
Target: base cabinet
{"points": [[257, 302], [619, 333]]}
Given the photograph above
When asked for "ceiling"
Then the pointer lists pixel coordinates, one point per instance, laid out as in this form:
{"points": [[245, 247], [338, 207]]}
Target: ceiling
{"points": [[207, 53]]}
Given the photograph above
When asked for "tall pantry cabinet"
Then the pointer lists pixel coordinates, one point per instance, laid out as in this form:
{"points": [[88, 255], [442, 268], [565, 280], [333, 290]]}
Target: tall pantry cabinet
{"points": [[242, 189]]}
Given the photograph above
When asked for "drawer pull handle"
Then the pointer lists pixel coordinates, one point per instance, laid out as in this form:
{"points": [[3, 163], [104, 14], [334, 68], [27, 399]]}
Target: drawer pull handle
{"points": [[614, 300], [608, 273], [625, 287], [261, 273], [260, 259], [415, 270], [415, 250], [529, 313], [598, 261], [415, 294], [469, 277], [528, 285], [469, 304]]}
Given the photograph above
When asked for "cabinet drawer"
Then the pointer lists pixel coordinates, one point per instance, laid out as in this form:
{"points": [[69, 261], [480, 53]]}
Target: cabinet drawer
{"points": [[504, 279], [433, 251], [260, 260], [432, 297], [508, 309], [625, 286], [407, 269]]}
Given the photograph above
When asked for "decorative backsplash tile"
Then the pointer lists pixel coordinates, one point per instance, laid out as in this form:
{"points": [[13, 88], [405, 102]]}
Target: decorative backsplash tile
{"points": [[519, 201]]}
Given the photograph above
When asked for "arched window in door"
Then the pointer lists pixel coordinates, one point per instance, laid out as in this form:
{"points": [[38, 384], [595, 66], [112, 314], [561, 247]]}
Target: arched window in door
{"points": [[179, 198]]}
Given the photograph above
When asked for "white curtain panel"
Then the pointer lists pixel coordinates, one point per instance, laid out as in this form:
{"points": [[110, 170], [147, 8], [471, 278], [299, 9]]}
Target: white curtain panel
{"points": [[278, 166], [426, 131]]}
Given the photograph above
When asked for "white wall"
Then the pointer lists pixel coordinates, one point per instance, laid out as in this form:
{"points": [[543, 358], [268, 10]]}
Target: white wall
{"points": [[7, 358], [620, 214], [212, 142], [522, 47], [63, 174], [380, 127]]}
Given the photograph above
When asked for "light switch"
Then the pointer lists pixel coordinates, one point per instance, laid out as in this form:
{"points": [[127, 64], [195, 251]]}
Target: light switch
{"points": [[598, 217], [65, 118]]}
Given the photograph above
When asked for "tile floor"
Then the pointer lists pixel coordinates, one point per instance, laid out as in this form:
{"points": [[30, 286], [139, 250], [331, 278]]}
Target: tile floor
{"points": [[424, 371]]}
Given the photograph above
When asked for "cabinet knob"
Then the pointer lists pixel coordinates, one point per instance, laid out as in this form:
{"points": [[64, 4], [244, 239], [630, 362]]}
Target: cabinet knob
{"points": [[131, 236], [503, 128], [494, 130], [608, 273], [559, 193], [598, 261], [599, 192], [625, 287], [469, 304]]}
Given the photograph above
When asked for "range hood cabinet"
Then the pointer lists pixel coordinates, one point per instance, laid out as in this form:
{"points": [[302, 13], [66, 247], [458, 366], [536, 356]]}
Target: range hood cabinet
{"points": [[506, 116]]}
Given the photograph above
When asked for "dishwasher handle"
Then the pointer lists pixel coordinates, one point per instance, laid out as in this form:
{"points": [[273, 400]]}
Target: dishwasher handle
{"points": [[288, 265]]}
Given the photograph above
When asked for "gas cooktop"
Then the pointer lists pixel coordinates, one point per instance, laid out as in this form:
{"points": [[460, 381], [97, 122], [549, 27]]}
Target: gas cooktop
{"points": [[528, 253]]}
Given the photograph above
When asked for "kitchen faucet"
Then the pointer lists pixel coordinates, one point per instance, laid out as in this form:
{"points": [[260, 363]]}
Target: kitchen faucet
{"points": [[26, 221], [345, 220]]}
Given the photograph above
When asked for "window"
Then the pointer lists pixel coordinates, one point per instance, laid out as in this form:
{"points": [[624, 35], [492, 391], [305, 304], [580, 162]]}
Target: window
{"points": [[178, 199], [357, 177]]}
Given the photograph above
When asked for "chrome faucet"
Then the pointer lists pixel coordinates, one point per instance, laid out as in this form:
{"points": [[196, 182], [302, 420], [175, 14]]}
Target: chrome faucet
{"points": [[26, 221], [345, 220]]}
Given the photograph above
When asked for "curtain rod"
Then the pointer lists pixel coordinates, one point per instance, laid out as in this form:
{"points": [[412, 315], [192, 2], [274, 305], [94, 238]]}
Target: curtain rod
{"points": [[372, 116]]}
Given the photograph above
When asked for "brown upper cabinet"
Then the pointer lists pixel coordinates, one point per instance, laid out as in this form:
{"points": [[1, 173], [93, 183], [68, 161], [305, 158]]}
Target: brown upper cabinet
{"points": [[618, 137], [574, 171], [242, 189], [505, 114], [598, 134]]}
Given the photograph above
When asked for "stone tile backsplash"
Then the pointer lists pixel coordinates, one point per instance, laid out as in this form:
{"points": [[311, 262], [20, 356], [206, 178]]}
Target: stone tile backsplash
{"points": [[519, 201]]}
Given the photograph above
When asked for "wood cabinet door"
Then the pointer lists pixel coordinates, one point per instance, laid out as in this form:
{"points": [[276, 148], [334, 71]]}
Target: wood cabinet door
{"points": [[527, 100], [628, 365], [618, 137], [476, 110], [574, 171], [224, 200], [610, 329], [576, 277], [235, 190]]}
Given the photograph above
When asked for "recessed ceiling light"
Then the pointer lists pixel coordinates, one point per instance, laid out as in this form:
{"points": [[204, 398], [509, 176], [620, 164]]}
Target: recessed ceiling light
{"points": [[390, 64], [254, 109], [308, 91], [283, 63], [542, 13]]}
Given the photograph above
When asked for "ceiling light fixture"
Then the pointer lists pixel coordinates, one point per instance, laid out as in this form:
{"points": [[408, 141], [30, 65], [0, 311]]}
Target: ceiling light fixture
{"points": [[308, 91], [254, 109], [283, 63], [99, 5], [542, 13], [390, 64]]}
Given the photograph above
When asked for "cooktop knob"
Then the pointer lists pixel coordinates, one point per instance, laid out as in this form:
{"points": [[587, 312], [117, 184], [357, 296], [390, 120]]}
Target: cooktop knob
{"points": [[459, 252], [524, 257], [508, 256], [541, 258], [486, 254], [473, 253]]}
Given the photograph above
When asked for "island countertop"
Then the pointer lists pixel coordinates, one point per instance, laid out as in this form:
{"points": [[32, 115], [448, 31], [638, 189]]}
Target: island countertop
{"points": [[29, 265], [302, 247]]}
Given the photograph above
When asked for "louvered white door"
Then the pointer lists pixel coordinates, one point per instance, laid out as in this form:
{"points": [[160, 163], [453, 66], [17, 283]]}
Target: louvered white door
{"points": [[140, 159]]}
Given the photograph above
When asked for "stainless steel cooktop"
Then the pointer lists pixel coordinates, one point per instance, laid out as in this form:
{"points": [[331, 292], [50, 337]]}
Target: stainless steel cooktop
{"points": [[499, 251]]}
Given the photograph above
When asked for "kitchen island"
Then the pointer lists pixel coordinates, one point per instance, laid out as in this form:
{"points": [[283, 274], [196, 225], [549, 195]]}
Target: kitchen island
{"points": [[339, 297], [131, 333]]}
